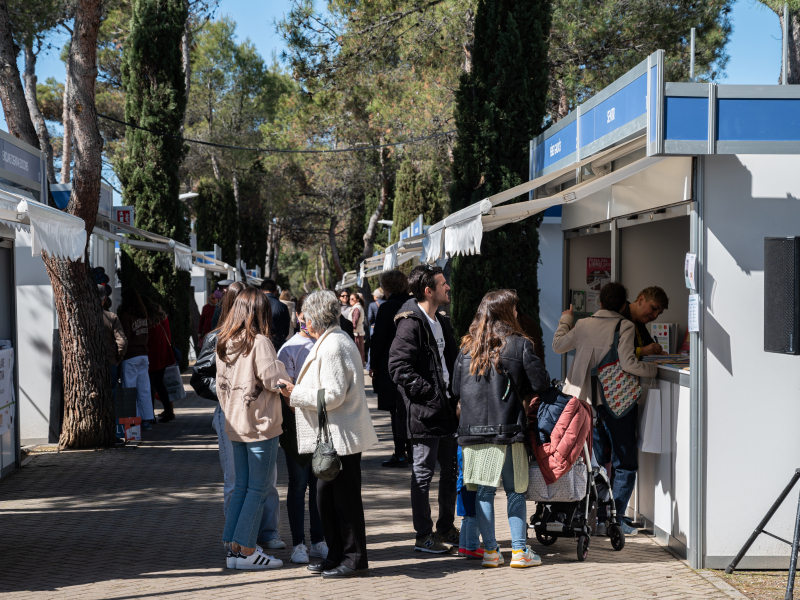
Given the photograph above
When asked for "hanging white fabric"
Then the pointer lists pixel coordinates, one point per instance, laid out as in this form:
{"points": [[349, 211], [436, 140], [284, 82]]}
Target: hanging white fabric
{"points": [[464, 237], [183, 257], [59, 234], [432, 246], [390, 260]]}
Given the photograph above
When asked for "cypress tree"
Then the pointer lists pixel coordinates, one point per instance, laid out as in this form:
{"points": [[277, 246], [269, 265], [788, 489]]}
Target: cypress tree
{"points": [[418, 191], [216, 217], [500, 107], [155, 98]]}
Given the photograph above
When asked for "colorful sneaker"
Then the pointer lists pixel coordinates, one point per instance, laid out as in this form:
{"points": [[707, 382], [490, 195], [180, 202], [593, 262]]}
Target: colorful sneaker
{"points": [[230, 559], [524, 558], [300, 554], [432, 544], [319, 550], [472, 553], [258, 560], [493, 558]]}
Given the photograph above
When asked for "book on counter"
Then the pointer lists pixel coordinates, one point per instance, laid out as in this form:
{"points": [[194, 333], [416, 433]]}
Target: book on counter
{"points": [[666, 334]]}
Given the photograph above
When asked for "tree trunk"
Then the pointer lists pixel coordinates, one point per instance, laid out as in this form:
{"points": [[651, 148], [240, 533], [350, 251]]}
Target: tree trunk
{"points": [[337, 264], [268, 257], [215, 166], [276, 249], [793, 72], [372, 227], [36, 113], [238, 220], [88, 408], [316, 269], [66, 150], [186, 43], [323, 259], [18, 117]]}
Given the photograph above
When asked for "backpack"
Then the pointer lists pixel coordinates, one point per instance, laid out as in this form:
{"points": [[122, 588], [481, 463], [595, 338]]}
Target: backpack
{"points": [[619, 391]]}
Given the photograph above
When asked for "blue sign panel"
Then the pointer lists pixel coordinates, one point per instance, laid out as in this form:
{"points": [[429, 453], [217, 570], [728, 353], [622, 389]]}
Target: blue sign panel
{"points": [[615, 111], [686, 118], [416, 226], [20, 162], [558, 146], [653, 102], [762, 119]]}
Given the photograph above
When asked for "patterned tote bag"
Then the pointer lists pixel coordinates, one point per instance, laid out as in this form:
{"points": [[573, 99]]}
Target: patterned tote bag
{"points": [[619, 391]]}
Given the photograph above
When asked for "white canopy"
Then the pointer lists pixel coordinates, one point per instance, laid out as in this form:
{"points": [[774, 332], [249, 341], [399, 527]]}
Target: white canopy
{"points": [[55, 232]]}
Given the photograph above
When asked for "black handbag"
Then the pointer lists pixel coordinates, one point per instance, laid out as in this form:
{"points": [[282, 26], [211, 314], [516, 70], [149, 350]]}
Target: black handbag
{"points": [[325, 462]]}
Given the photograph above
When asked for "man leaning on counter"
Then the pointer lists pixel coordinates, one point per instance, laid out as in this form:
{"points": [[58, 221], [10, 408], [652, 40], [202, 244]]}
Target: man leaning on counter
{"points": [[647, 307]]}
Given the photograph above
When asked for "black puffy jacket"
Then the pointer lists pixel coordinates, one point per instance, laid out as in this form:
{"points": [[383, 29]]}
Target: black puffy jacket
{"points": [[426, 411], [204, 373], [382, 339], [491, 412]]}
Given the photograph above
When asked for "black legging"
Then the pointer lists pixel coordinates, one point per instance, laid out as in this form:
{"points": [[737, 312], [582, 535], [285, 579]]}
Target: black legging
{"points": [[157, 385], [401, 446]]}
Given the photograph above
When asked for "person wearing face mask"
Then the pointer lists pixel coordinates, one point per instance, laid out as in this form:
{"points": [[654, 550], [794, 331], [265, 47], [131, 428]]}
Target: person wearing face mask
{"points": [[301, 478], [647, 307]]}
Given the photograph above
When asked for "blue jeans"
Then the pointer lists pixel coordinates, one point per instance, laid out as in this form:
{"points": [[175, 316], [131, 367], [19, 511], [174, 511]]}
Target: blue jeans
{"points": [[620, 435], [300, 480], [517, 510], [253, 463], [468, 536]]}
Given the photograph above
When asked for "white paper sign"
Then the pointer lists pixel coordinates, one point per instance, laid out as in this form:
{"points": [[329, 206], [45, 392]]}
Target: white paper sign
{"points": [[694, 312], [689, 270]]}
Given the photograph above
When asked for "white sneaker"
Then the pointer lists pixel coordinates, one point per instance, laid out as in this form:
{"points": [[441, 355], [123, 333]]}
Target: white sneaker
{"points": [[300, 554], [230, 559], [258, 560], [276, 544], [319, 550]]}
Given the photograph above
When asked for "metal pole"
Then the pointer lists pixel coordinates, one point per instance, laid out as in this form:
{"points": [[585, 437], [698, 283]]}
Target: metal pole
{"points": [[793, 560], [785, 55], [691, 64]]}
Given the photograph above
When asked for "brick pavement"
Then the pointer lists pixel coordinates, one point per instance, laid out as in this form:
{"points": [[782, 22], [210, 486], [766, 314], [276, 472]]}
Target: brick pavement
{"points": [[146, 523]]}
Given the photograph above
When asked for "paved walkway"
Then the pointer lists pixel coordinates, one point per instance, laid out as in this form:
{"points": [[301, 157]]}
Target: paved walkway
{"points": [[146, 523]]}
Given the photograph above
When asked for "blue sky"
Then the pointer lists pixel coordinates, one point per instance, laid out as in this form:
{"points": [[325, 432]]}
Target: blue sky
{"points": [[754, 48]]}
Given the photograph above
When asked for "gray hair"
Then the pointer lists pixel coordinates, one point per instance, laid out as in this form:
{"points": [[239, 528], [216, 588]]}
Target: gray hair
{"points": [[322, 309]]}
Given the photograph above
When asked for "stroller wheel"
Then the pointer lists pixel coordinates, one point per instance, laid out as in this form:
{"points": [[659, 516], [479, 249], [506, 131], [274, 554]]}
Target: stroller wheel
{"points": [[545, 540], [617, 537], [583, 547]]}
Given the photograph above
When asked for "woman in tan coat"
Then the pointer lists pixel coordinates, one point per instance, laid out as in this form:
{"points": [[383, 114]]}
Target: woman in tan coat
{"points": [[248, 371], [591, 339]]}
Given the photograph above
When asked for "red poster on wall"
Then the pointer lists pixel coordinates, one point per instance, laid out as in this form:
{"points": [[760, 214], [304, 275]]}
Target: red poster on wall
{"points": [[598, 273]]}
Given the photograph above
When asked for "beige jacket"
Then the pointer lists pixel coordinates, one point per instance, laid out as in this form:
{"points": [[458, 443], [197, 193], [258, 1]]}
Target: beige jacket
{"points": [[334, 365], [246, 393], [591, 339]]}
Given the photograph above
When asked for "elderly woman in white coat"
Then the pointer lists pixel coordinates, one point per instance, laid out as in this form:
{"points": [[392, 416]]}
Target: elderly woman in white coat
{"points": [[334, 364], [614, 439]]}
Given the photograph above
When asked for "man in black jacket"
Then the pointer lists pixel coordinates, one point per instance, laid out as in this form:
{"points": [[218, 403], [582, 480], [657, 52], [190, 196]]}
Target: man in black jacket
{"points": [[395, 285], [279, 326], [421, 359]]}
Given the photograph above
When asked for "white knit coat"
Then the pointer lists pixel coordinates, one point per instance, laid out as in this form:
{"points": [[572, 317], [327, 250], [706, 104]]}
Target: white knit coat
{"points": [[334, 365]]}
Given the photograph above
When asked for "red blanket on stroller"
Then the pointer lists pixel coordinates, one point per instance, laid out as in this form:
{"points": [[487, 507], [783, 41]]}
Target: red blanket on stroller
{"points": [[558, 426]]}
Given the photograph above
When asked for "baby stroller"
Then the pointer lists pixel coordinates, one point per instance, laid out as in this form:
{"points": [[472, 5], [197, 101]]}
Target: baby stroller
{"points": [[563, 510]]}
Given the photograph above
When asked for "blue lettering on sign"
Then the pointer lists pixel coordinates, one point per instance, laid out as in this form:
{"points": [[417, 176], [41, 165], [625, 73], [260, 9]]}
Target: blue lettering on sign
{"points": [[556, 147], [758, 119], [615, 111], [18, 161]]}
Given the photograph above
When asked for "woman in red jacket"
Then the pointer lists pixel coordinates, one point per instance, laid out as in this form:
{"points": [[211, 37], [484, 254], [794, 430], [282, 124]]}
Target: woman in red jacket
{"points": [[160, 355]]}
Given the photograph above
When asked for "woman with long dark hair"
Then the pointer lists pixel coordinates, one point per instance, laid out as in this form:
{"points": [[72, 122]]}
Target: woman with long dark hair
{"points": [[495, 373], [159, 355], [248, 371], [358, 313], [133, 317]]}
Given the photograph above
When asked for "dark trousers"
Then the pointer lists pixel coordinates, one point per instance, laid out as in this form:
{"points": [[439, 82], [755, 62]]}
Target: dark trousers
{"points": [[157, 385], [401, 446], [300, 479], [615, 439], [342, 513], [426, 453]]}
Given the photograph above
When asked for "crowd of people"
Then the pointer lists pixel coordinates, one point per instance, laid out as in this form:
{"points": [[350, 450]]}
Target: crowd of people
{"points": [[462, 405]]}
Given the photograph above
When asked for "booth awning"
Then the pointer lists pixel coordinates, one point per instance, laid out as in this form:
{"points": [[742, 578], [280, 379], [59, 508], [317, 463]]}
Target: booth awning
{"points": [[55, 232]]}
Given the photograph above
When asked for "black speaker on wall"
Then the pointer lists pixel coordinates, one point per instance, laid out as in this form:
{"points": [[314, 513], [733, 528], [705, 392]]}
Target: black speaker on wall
{"points": [[782, 295]]}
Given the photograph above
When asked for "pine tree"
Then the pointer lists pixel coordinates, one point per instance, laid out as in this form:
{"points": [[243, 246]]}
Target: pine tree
{"points": [[418, 191], [500, 107], [155, 98], [216, 217]]}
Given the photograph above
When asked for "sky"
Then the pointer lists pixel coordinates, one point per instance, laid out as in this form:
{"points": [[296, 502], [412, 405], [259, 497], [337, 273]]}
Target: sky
{"points": [[754, 47]]}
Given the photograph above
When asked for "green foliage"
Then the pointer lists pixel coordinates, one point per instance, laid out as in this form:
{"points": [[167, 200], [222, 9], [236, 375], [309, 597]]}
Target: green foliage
{"points": [[216, 217], [500, 107], [155, 98], [418, 191], [353, 247], [253, 217], [50, 96]]}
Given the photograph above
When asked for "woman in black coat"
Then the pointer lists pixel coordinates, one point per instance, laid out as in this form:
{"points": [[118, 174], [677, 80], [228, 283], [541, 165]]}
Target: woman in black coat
{"points": [[494, 373], [395, 289]]}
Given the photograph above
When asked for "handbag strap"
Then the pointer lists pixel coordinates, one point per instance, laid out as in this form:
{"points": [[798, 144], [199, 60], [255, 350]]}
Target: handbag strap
{"points": [[322, 417]]}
